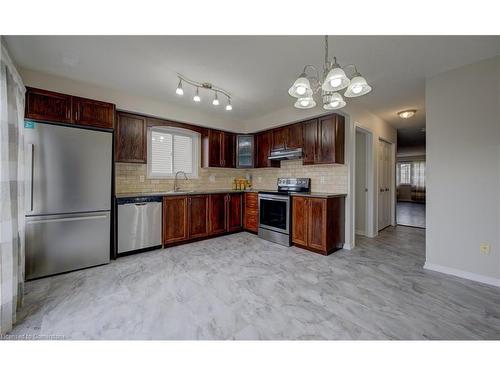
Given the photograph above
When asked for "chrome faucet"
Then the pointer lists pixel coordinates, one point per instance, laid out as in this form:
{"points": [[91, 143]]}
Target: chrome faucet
{"points": [[176, 188]]}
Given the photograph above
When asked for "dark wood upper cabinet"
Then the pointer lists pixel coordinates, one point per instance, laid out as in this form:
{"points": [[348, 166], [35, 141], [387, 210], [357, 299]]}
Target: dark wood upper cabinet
{"points": [[219, 149], [217, 213], [48, 106], [234, 212], [130, 138], [295, 136], [229, 149], [310, 131], [198, 215], [175, 219], [263, 145], [324, 140], [93, 113], [287, 137], [52, 106], [280, 138]]}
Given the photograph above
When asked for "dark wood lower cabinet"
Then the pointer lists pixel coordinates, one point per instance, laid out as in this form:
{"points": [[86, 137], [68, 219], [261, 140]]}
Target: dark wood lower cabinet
{"points": [[251, 212], [193, 217], [217, 213], [198, 215], [318, 223], [300, 219], [234, 212], [175, 219]]}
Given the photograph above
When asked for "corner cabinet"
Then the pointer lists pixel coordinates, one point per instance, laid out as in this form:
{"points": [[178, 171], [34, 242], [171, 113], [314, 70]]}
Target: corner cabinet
{"points": [[49, 106], [318, 223], [130, 138], [219, 149], [324, 140]]}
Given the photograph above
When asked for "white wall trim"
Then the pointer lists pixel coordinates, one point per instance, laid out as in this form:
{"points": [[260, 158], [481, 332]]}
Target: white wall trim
{"points": [[361, 232], [463, 274], [348, 246]]}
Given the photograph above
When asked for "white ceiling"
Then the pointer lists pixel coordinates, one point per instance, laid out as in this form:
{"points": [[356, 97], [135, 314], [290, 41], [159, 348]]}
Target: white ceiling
{"points": [[256, 70]]}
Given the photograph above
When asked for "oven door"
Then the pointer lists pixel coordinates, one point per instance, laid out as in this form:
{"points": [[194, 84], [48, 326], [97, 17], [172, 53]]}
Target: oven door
{"points": [[274, 212]]}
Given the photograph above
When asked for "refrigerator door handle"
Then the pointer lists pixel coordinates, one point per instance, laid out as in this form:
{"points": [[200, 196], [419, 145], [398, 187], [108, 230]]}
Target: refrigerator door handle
{"points": [[31, 174], [79, 218]]}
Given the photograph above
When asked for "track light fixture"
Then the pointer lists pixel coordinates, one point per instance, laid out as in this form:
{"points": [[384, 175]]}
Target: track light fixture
{"points": [[206, 86]]}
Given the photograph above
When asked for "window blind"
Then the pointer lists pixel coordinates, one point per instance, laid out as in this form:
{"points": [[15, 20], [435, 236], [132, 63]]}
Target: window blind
{"points": [[172, 150], [161, 153]]}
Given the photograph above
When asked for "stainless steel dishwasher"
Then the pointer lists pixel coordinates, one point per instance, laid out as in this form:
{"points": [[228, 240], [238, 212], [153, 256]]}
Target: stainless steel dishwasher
{"points": [[139, 223]]}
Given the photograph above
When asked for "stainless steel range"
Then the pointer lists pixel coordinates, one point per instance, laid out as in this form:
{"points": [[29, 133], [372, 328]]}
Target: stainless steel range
{"points": [[275, 219]]}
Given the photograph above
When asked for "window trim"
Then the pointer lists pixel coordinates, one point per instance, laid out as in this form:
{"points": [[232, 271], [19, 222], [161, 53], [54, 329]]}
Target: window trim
{"points": [[174, 131]]}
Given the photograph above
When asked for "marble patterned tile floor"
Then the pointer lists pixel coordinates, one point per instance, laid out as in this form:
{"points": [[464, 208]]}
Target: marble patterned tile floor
{"points": [[242, 287], [410, 213]]}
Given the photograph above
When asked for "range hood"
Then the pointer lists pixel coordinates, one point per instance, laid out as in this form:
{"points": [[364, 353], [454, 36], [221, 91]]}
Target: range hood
{"points": [[288, 154]]}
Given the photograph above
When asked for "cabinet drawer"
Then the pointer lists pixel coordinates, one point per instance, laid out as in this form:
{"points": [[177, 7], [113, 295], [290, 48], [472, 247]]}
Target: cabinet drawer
{"points": [[251, 200]]}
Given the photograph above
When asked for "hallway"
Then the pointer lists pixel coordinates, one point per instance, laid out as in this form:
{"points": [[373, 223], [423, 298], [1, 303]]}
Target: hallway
{"points": [[410, 214]]}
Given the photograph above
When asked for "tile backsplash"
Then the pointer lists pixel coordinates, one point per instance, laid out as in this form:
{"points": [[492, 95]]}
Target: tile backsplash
{"points": [[331, 178]]}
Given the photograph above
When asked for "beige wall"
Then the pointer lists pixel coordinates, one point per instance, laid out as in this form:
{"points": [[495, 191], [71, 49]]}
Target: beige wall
{"points": [[463, 171]]}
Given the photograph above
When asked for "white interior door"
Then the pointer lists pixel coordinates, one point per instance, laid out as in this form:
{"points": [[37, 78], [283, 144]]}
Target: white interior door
{"points": [[384, 184]]}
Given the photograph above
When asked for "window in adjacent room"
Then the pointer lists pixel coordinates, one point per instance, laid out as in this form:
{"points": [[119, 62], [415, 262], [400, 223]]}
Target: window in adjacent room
{"points": [[171, 150]]}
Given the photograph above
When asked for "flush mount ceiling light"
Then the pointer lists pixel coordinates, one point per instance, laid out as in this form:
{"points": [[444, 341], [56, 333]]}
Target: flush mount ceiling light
{"points": [[407, 113], [334, 79], [204, 86]]}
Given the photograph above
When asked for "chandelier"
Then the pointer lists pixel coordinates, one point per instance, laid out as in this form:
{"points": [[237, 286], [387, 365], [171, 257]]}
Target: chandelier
{"points": [[334, 80], [204, 86]]}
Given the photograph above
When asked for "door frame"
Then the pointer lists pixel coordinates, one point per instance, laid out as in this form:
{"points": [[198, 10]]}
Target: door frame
{"points": [[370, 166], [370, 230], [392, 185]]}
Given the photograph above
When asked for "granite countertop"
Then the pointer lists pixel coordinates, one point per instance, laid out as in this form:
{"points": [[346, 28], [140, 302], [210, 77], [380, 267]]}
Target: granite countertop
{"points": [[186, 192], [223, 191], [314, 194]]}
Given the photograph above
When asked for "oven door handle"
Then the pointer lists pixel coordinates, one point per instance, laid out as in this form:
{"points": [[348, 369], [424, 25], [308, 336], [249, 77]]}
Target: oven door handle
{"points": [[273, 198]]}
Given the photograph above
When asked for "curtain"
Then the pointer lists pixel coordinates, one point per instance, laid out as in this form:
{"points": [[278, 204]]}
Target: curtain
{"points": [[11, 192]]}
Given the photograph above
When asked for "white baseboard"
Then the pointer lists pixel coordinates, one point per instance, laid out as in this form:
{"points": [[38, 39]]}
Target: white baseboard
{"points": [[463, 274], [348, 246], [360, 232]]}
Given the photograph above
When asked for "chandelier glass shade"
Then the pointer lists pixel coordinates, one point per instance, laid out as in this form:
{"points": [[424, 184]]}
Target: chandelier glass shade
{"points": [[301, 87], [336, 102], [204, 86], [358, 87], [334, 80]]}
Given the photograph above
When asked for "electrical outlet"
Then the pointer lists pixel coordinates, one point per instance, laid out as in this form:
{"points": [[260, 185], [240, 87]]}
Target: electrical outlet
{"points": [[211, 178], [141, 178], [484, 248]]}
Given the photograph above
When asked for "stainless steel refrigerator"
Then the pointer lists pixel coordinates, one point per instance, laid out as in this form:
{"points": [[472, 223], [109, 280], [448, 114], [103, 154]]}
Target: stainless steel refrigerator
{"points": [[68, 198]]}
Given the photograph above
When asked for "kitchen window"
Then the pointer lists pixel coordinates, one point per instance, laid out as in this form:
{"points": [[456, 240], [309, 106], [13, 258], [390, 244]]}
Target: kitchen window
{"points": [[171, 150]]}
